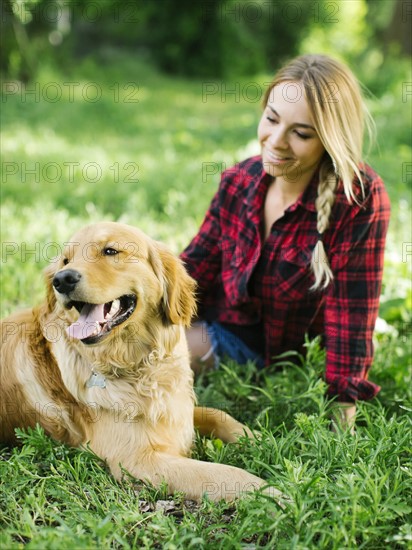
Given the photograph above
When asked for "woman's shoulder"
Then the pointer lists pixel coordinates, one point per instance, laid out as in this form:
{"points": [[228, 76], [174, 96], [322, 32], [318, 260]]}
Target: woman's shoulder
{"points": [[370, 191], [370, 179], [241, 178]]}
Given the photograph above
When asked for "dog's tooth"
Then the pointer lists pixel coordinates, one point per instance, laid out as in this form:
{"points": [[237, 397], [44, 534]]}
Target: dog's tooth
{"points": [[115, 307], [97, 330]]}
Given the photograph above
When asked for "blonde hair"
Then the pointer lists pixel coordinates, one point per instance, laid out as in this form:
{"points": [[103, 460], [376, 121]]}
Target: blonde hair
{"points": [[339, 116]]}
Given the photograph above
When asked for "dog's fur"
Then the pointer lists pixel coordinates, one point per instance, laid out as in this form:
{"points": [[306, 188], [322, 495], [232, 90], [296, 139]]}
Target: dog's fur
{"points": [[143, 420]]}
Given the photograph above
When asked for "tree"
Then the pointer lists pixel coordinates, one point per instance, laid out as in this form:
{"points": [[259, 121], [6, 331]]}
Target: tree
{"points": [[390, 22]]}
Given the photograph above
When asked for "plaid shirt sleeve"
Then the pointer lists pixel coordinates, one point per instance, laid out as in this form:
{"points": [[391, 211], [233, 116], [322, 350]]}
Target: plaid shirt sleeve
{"points": [[206, 256], [202, 257], [352, 302]]}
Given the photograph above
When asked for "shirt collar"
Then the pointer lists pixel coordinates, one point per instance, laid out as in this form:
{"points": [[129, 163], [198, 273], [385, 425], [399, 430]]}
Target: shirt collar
{"points": [[306, 199]]}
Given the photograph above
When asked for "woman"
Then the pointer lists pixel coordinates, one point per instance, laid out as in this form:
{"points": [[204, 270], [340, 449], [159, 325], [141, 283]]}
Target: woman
{"points": [[293, 241]]}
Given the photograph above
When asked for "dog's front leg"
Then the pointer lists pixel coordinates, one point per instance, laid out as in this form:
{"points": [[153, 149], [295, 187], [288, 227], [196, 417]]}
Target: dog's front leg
{"points": [[196, 478]]}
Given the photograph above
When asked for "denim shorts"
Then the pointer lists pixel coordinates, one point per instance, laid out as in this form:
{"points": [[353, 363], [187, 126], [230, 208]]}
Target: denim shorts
{"points": [[225, 344]]}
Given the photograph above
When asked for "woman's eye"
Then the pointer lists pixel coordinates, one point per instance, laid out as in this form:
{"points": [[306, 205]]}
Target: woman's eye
{"points": [[110, 251], [303, 136], [272, 120]]}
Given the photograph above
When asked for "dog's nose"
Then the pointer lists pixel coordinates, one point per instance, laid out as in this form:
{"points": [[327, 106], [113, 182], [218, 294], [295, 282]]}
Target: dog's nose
{"points": [[65, 281]]}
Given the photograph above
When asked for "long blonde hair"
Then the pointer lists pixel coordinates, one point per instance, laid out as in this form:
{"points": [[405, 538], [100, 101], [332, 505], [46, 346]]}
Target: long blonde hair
{"points": [[339, 115]]}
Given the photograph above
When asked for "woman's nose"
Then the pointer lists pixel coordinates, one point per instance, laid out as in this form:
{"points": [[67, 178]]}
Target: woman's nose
{"points": [[278, 139]]}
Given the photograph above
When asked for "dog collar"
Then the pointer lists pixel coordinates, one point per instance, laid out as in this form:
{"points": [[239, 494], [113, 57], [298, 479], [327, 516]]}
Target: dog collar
{"points": [[96, 381]]}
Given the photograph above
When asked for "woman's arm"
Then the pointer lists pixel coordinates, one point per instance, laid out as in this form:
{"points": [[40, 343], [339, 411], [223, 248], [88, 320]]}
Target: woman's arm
{"points": [[352, 300], [344, 416], [202, 257]]}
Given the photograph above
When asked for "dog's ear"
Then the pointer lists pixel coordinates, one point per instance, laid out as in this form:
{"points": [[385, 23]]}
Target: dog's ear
{"points": [[49, 273], [178, 302]]}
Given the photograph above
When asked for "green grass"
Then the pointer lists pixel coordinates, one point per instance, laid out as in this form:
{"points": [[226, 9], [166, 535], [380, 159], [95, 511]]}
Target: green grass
{"points": [[347, 491]]}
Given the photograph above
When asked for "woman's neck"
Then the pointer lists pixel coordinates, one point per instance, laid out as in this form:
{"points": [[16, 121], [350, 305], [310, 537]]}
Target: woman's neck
{"points": [[288, 189]]}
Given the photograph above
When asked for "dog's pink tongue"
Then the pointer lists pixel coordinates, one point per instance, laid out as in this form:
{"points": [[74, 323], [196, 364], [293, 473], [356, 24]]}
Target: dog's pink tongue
{"points": [[90, 317]]}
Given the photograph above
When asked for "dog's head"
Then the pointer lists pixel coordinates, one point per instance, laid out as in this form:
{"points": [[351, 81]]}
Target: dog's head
{"points": [[112, 275]]}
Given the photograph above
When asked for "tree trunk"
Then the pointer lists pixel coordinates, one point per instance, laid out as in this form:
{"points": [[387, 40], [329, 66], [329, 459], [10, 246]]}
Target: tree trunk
{"points": [[398, 29]]}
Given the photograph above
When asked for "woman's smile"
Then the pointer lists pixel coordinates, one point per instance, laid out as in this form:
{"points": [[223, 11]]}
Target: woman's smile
{"points": [[276, 158]]}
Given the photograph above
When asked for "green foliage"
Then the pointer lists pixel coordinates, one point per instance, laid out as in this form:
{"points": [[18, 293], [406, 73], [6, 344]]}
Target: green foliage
{"points": [[357, 33], [210, 39], [346, 491]]}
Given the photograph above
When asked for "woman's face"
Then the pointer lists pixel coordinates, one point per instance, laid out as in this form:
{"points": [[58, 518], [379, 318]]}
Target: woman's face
{"points": [[291, 148]]}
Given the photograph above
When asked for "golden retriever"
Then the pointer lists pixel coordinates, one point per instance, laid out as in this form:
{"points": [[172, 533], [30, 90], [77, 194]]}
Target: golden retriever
{"points": [[104, 362]]}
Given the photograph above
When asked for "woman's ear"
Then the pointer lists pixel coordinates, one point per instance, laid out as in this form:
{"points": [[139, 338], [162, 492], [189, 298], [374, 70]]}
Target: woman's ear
{"points": [[178, 301]]}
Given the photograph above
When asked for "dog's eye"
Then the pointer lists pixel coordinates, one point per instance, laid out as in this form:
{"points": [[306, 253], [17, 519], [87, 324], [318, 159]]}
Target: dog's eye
{"points": [[110, 252], [65, 261]]}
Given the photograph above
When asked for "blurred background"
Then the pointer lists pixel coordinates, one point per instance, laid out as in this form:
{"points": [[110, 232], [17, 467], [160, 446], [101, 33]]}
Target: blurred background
{"points": [[129, 110]]}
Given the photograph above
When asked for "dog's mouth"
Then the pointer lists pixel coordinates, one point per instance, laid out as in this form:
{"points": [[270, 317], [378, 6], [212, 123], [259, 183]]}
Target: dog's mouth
{"points": [[96, 321]]}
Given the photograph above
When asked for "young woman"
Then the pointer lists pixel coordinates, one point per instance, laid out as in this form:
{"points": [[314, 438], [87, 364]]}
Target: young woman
{"points": [[293, 241]]}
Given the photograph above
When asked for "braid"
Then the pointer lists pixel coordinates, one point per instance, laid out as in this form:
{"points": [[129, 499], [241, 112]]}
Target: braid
{"points": [[324, 202]]}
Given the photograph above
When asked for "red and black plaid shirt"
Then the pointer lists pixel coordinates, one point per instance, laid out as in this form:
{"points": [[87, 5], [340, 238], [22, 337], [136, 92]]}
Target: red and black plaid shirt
{"points": [[244, 281]]}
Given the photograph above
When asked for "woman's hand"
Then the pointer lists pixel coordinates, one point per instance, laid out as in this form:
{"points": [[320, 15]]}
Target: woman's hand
{"points": [[343, 416]]}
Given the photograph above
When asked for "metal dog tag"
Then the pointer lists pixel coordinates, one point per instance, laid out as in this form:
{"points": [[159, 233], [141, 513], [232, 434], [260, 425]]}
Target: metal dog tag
{"points": [[96, 380]]}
